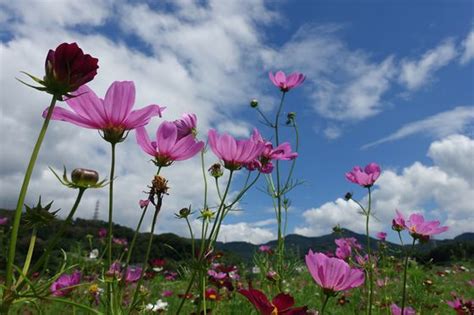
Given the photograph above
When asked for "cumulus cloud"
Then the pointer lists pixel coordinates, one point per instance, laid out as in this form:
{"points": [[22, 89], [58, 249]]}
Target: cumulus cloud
{"points": [[468, 49], [416, 73], [347, 84], [457, 120], [442, 191], [209, 74]]}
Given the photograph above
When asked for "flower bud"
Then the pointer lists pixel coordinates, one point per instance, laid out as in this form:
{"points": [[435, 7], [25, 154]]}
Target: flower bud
{"points": [[84, 177], [290, 118], [207, 214], [348, 196], [254, 103], [184, 213], [216, 170]]}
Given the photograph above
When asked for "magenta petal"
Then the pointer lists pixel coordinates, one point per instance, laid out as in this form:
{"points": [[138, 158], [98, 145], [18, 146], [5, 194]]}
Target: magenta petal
{"points": [[62, 114], [144, 141], [141, 117], [166, 137], [119, 100], [88, 105], [280, 77]]}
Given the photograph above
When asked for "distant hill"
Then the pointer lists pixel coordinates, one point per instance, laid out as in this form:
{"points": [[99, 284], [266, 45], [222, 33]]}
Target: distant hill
{"points": [[176, 248]]}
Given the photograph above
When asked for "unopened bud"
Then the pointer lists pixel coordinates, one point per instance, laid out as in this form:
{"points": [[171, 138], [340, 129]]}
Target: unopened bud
{"points": [[290, 118], [216, 170], [348, 196], [84, 177], [207, 214], [254, 103], [184, 213]]}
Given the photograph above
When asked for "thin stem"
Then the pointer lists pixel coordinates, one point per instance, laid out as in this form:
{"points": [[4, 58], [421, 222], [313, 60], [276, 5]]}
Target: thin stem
{"points": [[369, 258], [281, 245], [148, 250], [191, 233], [137, 230], [292, 167], [204, 295], [264, 117], [405, 275], [29, 255], [110, 227], [204, 178], [325, 303], [21, 199], [61, 231]]}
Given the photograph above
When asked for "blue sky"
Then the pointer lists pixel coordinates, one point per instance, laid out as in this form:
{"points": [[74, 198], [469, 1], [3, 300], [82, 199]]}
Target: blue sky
{"points": [[386, 82]]}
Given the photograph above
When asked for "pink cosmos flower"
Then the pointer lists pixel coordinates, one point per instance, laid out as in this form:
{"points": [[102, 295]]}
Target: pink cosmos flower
{"points": [[423, 230], [234, 153], [186, 125], [167, 293], [62, 286], [381, 236], [133, 274], [395, 310], [265, 249], [286, 83], [3, 220], [264, 161], [398, 223], [365, 177], [168, 147], [143, 203], [333, 274], [217, 275], [170, 275], [113, 114]]}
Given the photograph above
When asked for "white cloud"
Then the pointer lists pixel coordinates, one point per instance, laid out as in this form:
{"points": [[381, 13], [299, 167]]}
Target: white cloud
{"points": [[247, 232], [448, 185], [347, 84], [468, 48], [416, 73], [457, 120], [210, 78]]}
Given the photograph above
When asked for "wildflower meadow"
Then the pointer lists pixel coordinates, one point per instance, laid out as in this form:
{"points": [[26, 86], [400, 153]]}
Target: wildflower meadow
{"points": [[359, 277]]}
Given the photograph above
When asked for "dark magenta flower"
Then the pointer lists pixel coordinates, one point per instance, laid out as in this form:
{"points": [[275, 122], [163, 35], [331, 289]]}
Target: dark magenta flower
{"points": [[168, 147], [423, 230], [3, 220], [102, 233], [286, 83], [67, 68], [333, 274], [395, 310], [62, 286], [365, 177], [112, 115], [282, 304], [461, 306], [234, 153]]}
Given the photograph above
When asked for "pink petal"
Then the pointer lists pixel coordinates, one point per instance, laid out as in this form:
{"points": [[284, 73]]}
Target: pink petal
{"points": [[144, 142], [62, 114], [119, 101], [166, 137], [141, 117], [88, 105]]}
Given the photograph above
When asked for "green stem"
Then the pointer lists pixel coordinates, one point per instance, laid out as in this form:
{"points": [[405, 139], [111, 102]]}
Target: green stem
{"points": [[21, 199], [325, 303], [148, 250], [221, 210], [369, 258], [110, 227], [205, 179], [61, 231], [29, 255], [137, 230], [292, 167], [281, 245], [405, 275]]}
